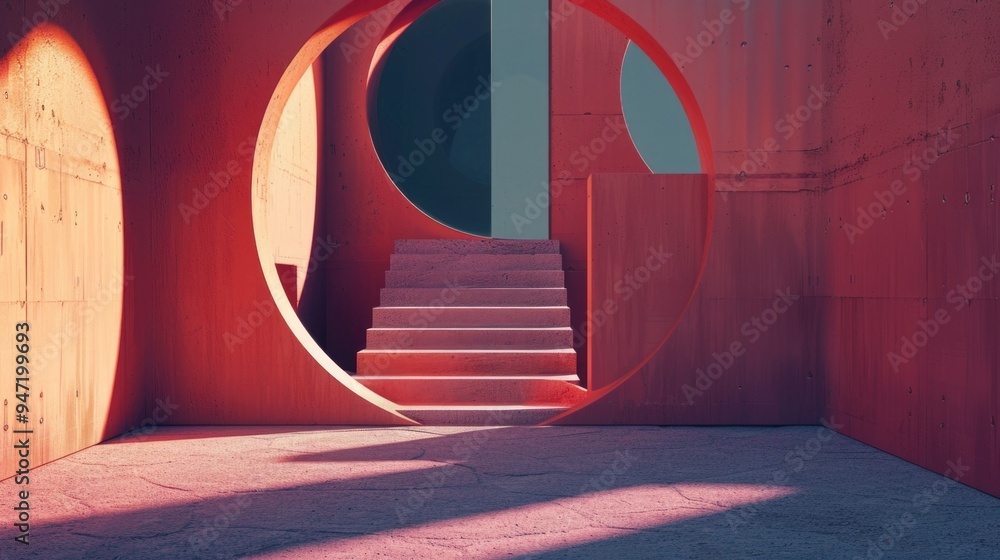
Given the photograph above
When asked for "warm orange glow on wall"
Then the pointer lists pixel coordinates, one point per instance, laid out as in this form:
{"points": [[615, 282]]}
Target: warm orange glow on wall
{"points": [[61, 248], [291, 189]]}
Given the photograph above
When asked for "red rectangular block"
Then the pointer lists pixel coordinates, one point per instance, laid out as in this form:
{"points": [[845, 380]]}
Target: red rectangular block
{"points": [[647, 237], [762, 242]]}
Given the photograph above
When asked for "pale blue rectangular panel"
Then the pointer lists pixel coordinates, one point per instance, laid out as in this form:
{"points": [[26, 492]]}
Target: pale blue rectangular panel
{"points": [[520, 128]]}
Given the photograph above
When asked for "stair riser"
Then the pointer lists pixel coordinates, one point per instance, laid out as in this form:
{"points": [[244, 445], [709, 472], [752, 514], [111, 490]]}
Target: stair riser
{"points": [[436, 297], [473, 333], [478, 246], [375, 362], [481, 391], [526, 417], [488, 317], [469, 339], [458, 280], [419, 263]]}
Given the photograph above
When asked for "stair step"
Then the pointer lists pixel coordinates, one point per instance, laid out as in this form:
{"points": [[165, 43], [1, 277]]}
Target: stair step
{"points": [[476, 246], [473, 333], [473, 297], [466, 362], [483, 262], [459, 279], [489, 317], [481, 415], [470, 339], [550, 390]]}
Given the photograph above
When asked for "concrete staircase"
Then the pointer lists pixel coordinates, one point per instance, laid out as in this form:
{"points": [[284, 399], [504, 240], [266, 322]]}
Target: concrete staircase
{"points": [[473, 333]]}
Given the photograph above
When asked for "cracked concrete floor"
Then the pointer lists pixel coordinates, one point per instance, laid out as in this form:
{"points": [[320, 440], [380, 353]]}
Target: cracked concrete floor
{"points": [[545, 493]]}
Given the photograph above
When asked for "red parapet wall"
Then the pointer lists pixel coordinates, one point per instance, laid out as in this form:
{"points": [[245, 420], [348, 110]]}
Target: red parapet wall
{"points": [[743, 359]]}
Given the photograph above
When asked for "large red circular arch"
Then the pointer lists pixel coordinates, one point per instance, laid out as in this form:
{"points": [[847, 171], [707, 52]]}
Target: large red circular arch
{"points": [[339, 23]]}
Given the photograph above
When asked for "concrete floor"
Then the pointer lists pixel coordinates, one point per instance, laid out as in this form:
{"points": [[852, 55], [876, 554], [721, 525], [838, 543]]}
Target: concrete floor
{"points": [[544, 493]]}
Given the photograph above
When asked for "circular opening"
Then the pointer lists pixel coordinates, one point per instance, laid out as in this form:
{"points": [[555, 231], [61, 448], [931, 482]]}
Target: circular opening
{"points": [[430, 119], [655, 117], [462, 58]]}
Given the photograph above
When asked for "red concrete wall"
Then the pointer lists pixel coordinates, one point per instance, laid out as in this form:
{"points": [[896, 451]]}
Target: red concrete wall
{"points": [[646, 246], [371, 214], [916, 107], [227, 350], [210, 292], [75, 247], [192, 334], [202, 329], [585, 83], [763, 234]]}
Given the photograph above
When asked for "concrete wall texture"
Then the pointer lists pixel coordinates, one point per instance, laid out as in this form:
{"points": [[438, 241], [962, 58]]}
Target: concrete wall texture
{"points": [[72, 349], [884, 318], [293, 182]]}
